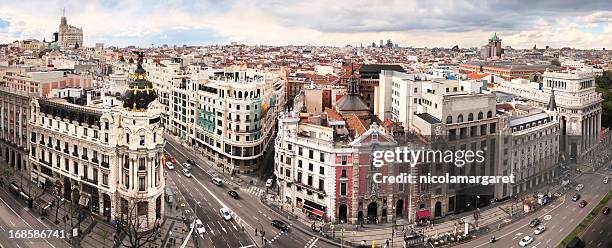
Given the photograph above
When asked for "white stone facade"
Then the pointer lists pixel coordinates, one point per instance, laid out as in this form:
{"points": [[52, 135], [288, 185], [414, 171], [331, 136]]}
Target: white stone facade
{"points": [[106, 158]]}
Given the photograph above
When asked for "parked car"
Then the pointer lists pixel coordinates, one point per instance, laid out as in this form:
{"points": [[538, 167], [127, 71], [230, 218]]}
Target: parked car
{"points": [[606, 179], [539, 230], [280, 225], [525, 241], [576, 197], [582, 204], [199, 226], [269, 182], [605, 211], [170, 165], [187, 166], [225, 214], [187, 173], [233, 194], [535, 222], [171, 159], [190, 161], [579, 187], [217, 181]]}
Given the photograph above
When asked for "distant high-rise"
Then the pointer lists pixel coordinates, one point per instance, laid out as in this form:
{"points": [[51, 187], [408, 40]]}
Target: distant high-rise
{"points": [[69, 36], [493, 49]]}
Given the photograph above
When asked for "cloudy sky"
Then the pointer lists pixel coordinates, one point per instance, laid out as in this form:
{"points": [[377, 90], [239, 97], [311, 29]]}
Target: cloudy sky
{"points": [[427, 23]]}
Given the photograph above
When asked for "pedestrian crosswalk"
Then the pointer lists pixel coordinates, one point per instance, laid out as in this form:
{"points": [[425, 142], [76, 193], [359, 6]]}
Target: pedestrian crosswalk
{"points": [[253, 190]]}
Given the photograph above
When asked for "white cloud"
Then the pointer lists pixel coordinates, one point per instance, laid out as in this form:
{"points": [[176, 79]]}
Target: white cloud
{"points": [[410, 23]]}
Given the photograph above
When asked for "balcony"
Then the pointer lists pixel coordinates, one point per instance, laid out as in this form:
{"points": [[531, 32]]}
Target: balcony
{"points": [[66, 151], [76, 154], [42, 142], [104, 164], [94, 160], [58, 148], [86, 179]]}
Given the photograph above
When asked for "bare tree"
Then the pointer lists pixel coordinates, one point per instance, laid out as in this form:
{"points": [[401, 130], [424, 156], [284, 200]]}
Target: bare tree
{"points": [[135, 225]]}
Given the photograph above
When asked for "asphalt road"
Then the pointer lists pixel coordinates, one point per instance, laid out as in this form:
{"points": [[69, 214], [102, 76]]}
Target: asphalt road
{"points": [[559, 217], [15, 216], [599, 233], [247, 211]]}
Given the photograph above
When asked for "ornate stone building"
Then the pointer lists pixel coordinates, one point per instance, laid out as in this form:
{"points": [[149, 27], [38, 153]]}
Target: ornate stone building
{"points": [[69, 36], [577, 103], [103, 153]]}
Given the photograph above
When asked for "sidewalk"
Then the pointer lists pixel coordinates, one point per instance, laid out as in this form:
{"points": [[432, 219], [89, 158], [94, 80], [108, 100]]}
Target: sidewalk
{"points": [[95, 231]]}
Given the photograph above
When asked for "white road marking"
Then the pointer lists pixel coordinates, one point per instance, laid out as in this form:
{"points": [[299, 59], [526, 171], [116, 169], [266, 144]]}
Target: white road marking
{"points": [[561, 230], [28, 224], [12, 222], [248, 246], [313, 243]]}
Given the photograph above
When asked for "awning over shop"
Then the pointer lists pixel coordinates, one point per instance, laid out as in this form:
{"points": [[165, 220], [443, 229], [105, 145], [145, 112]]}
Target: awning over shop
{"points": [[314, 208], [318, 212], [423, 214]]}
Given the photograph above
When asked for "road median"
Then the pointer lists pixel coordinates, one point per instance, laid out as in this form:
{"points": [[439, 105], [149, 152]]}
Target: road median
{"points": [[584, 224]]}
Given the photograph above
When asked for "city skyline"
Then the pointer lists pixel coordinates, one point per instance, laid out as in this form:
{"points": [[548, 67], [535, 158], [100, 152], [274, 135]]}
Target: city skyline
{"points": [[521, 24]]}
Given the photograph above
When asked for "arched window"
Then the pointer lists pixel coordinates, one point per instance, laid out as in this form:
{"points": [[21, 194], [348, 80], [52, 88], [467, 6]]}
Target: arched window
{"points": [[460, 118], [239, 94], [449, 119], [470, 117], [480, 115], [489, 114]]}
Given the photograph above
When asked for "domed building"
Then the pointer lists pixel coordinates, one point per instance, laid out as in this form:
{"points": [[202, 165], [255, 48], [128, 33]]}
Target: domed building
{"points": [[103, 154]]}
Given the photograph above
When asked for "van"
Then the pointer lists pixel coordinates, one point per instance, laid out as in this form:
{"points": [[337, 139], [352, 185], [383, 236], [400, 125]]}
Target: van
{"points": [[169, 197], [217, 181]]}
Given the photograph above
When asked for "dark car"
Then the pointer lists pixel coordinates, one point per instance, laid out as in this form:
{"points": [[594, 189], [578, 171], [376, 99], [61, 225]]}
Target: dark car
{"points": [[576, 197], [233, 194], [605, 211], [280, 225], [582, 204], [190, 161], [535, 222]]}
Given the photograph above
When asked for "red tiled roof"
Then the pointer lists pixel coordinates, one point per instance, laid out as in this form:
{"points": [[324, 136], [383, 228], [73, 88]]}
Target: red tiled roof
{"points": [[333, 115], [476, 75], [357, 124]]}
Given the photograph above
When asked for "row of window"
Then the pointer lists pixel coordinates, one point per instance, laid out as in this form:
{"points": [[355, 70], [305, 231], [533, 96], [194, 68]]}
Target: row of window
{"points": [[65, 148], [470, 117]]}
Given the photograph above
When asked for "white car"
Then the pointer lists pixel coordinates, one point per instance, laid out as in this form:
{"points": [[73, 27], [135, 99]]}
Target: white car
{"points": [[225, 213], [606, 179], [199, 226], [170, 165], [579, 187], [539, 230], [269, 182], [187, 173], [525, 241]]}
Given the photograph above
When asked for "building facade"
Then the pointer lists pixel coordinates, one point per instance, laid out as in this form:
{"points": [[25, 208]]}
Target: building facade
{"points": [[69, 36], [105, 156], [493, 49], [577, 103], [230, 115]]}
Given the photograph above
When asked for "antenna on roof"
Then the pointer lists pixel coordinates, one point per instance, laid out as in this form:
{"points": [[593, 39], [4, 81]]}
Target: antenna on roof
{"points": [[64, 12]]}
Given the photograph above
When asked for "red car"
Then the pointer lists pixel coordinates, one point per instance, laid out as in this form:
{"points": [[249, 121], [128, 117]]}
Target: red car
{"points": [[171, 159], [605, 211], [582, 204]]}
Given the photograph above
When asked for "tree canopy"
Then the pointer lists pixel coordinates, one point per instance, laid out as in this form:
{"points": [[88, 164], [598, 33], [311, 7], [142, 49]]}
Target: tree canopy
{"points": [[604, 86]]}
